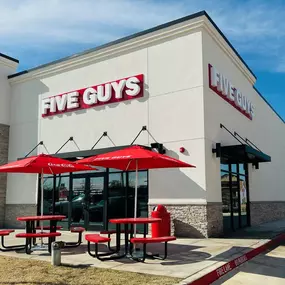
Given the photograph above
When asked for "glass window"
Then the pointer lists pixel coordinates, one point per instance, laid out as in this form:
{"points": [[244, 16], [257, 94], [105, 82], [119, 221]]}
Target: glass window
{"points": [[96, 201], [225, 167], [62, 188], [114, 170], [142, 206], [243, 201], [242, 169], [234, 168], [226, 200], [98, 169], [48, 190], [117, 195], [62, 198]]}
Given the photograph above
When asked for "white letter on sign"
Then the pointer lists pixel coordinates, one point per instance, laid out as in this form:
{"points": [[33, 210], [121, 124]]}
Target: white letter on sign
{"points": [[90, 96], [225, 84], [72, 100], [52, 105], [232, 93], [220, 83], [251, 110], [244, 102], [45, 105], [108, 93], [118, 87], [61, 102], [238, 99], [133, 86], [215, 77]]}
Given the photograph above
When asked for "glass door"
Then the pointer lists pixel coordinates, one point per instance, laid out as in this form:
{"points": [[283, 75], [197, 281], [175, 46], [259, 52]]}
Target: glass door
{"points": [[78, 205], [227, 201], [117, 203], [95, 208], [121, 195], [87, 204], [235, 196]]}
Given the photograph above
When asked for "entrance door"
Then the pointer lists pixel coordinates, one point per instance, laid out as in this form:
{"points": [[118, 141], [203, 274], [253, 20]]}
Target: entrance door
{"points": [[121, 192], [235, 196], [87, 202]]}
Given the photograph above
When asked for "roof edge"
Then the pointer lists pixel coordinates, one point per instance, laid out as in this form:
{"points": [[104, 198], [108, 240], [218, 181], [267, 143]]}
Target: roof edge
{"points": [[229, 43], [258, 92], [9, 57], [142, 33]]}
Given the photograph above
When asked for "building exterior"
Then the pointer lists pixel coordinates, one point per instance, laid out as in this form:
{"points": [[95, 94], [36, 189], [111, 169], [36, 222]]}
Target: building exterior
{"points": [[195, 95]]}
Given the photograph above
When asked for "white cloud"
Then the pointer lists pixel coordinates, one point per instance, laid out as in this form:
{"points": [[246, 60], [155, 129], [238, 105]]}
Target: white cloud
{"points": [[255, 27], [87, 21]]}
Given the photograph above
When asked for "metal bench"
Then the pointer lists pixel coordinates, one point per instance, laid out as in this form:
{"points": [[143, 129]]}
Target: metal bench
{"points": [[30, 236], [4, 248], [147, 240], [78, 230], [96, 239]]}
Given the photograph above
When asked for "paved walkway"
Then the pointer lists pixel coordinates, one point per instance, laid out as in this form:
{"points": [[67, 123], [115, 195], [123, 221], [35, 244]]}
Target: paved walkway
{"points": [[188, 258]]}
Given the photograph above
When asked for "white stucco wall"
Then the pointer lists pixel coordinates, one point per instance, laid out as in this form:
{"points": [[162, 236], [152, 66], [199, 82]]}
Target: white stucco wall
{"points": [[178, 109], [266, 130], [6, 67], [172, 109]]}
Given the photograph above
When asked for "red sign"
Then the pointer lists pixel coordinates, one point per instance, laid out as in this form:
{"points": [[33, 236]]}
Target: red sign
{"points": [[225, 89], [112, 92]]}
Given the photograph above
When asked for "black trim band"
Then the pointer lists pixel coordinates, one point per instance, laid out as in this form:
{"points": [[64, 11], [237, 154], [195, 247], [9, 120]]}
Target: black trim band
{"points": [[9, 57]]}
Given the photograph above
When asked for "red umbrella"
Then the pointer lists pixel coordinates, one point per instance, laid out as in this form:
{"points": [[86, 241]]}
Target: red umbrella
{"points": [[134, 158], [42, 164]]}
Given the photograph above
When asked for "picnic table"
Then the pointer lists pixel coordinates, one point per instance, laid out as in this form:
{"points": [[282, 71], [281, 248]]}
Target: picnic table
{"points": [[31, 234], [130, 233], [115, 254]]}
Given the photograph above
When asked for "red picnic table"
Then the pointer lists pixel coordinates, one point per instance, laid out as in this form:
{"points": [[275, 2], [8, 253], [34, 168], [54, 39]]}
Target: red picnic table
{"points": [[131, 221], [128, 247], [31, 228]]}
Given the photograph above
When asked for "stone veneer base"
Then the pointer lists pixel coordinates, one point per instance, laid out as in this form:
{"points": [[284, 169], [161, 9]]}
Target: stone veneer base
{"points": [[262, 212], [12, 211], [195, 221]]}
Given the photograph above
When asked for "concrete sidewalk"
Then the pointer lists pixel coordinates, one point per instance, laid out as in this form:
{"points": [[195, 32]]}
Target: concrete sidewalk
{"points": [[266, 268], [188, 258]]}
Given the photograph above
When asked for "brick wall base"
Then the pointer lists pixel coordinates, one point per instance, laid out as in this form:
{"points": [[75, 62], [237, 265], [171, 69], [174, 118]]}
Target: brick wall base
{"points": [[262, 212], [12, 211], [195, 221]]}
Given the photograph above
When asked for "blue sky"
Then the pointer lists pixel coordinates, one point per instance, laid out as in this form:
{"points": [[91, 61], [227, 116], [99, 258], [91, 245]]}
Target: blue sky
{"points": [[39, 31]]}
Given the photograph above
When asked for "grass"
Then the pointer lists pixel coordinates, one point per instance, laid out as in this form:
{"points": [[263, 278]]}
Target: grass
{"points": [[31, 272]]}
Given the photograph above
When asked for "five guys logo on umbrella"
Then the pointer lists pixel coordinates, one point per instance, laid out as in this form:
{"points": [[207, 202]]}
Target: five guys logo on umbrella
{"points": [[60, 165], [111, 92]]}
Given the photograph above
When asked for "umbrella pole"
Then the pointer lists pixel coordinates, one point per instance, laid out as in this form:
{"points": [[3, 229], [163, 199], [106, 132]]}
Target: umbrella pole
{"points": [[42, 202], [136, 202]]}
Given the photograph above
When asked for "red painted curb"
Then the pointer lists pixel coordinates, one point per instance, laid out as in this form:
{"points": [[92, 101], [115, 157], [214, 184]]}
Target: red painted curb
{"points": [[221, 271]]}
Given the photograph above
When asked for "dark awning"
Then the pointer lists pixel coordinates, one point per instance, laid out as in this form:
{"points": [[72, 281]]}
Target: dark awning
{"points": [[242, 154], [74, 155]]}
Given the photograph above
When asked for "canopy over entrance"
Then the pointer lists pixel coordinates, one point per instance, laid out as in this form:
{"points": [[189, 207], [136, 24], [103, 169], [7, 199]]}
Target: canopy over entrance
{"points": [[241, 154]]}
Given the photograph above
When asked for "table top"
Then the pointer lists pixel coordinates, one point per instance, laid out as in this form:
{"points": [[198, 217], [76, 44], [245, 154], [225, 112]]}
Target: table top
{"points": [[41, 218], [135, 220]]}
